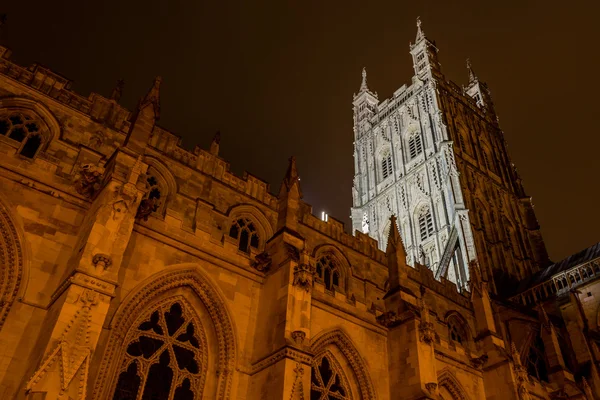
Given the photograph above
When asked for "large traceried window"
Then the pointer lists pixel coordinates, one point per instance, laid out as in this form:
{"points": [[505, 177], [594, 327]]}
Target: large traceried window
{"points": [[415, 145], [328, 272], [326, 381], [22, 129], [245, 232], [425, 223], [386, 165], [165, 358]]}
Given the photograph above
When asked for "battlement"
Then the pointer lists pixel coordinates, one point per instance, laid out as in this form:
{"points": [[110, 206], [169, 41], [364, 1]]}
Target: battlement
{"points": [[334, 229]]}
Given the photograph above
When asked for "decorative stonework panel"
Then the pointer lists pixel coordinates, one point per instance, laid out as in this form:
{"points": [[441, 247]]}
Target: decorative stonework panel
{"points": [[11, 263]]}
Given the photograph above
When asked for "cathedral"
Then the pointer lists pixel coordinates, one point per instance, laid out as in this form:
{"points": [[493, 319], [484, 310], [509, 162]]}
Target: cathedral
{"points": [[132, 268]]}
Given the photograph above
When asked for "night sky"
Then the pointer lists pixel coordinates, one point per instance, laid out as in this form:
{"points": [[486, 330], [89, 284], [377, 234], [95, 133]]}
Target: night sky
{"points": [[277, 79]]}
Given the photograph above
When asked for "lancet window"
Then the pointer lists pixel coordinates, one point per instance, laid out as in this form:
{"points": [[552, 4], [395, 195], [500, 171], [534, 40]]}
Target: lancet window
{"points": [[536, 360], [22, 129], [326, 381], [328, 272], [246, 234], [415, 146], [386, 165], [165, 358], [425, 223], [456, 331]]}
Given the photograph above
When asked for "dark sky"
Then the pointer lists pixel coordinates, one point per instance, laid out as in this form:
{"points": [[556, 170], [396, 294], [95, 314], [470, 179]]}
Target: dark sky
{"points": [[277, 79]]}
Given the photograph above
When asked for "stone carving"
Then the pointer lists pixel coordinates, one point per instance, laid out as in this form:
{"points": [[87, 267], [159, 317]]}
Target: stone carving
{"points": [[520, 372], [426, 332], [298, 388], [73, 351], [478, 362], [292, 252], [262, 262], [447, 380], [431, 387], [298, 337], [304, 276], [101, 262], [11, 263], [88, 180], [389, 319], [146, 208]]}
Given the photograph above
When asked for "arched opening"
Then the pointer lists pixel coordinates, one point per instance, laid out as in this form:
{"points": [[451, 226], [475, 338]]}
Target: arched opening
{"points": [[245, 232], [31, 146], [327, 381], [328, 272]]}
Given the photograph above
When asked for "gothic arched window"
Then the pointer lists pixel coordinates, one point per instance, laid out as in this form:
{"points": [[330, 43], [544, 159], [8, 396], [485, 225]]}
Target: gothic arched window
{"points": [[245, 232], [326, 382], [22, 129], [386, 165], [164, 359], [456, 330], [415, 145], [328, 272], [536, 360], [425, 223]]}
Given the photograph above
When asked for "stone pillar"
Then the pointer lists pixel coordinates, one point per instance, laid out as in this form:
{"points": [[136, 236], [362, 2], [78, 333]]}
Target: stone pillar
{"points": [[79, 306]]}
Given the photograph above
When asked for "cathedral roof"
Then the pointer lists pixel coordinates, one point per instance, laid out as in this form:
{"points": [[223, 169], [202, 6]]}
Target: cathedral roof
{"points": [[573, 260]]}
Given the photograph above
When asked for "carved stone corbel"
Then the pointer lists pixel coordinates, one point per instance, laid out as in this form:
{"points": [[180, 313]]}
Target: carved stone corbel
{"points": [[88, 179], [262, 262], [303, 276]]}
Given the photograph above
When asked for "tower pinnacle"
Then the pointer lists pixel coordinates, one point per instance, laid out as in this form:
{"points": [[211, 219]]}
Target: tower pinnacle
{"points": [[363, 85], [420, 33], [472, 76]]}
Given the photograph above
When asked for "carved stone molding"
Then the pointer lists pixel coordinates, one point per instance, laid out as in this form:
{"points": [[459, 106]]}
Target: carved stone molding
{"points": [[303, 276], [478, 362], [448, 381], [298, 388], [88, 180], [285, 352], [146, 208], [11, 263], [347, 348]]}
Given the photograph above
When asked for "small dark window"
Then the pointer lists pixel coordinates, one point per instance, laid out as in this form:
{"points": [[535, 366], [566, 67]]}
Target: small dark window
{"points": [[18, 134], [328, 273], [426, 224], [154, 194], [415, 146], [31, 146], [4, 127], [244, 230], [536, 360]]}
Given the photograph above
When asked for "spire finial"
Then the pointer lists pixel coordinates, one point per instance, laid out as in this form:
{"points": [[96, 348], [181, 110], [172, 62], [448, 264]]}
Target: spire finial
{"points": [[472, 76], [153, 97], [420, 34], [394, 238], [291, 176], [363, 85], [118, 90]]}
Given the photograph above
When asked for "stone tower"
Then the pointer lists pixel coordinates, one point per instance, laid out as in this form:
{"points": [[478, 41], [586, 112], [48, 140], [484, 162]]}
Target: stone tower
{"points": [[434, 155]]}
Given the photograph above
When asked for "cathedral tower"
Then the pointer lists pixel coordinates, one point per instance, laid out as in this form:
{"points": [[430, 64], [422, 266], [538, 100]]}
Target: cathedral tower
{"points": [[434, 156]]}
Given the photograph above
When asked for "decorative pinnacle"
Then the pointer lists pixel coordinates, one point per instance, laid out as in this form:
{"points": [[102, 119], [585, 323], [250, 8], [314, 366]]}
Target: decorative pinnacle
{"points": [[472, 76], [394, 238], [363, 85], [420, 33]]}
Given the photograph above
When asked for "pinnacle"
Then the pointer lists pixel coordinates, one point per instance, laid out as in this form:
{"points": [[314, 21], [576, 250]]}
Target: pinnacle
{"points": [[363, 85], [291, 176], [472, 76], [153, 97], [420, 33], [394, 240]]}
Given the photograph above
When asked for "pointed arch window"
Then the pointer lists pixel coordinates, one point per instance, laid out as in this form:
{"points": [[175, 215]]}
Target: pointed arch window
{"points": [[425, 223], [328, 272], [415, 146], [386, 165], [22, 129], [326, 382], [456, 330], [164, 359], [536, 360], [244, 231]]}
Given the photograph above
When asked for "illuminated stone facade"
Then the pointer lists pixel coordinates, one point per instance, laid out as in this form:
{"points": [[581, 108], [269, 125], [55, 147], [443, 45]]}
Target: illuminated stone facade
{"points": [[131, 268], [430, 154]]}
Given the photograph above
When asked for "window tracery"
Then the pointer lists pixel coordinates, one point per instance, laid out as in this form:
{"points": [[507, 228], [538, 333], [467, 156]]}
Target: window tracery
{"points": [[22, 129], [164, 359], [245, 232], [326, 382], [456, 331], [328, 272]]}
